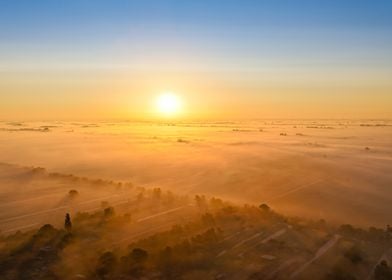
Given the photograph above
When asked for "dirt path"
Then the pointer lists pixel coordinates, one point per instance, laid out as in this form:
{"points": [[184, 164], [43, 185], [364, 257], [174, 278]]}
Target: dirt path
{"points": [[161, 213], [274, 235], [223, 252], [283, 266], [242, 242], [320, 252], [153, 229], [294, 190]]}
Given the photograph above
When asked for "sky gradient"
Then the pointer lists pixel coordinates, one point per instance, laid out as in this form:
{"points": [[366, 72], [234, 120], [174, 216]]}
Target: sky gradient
{"points": [[226, 59]]}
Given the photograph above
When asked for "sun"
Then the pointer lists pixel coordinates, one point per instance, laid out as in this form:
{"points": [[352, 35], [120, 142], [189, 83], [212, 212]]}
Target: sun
{"points": [[168, 103]]}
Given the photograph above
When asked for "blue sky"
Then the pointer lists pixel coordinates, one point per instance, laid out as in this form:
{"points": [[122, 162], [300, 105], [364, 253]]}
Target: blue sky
{"points": [[246, 43], [26, 21], [202, 13], [218, 26]]}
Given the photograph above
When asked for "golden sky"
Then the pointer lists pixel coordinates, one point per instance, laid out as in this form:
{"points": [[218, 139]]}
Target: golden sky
{"points": [[255, 60]]}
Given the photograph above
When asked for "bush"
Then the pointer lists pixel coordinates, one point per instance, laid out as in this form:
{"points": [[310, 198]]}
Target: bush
{"points": [[264, 207], [73, 193]]}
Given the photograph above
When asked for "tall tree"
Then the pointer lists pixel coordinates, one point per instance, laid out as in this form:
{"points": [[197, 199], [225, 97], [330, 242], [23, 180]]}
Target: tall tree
{"points": [[67, 222]]}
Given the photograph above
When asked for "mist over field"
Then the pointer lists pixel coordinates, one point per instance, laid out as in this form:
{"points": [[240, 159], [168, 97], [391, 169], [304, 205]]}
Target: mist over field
{"points": [[337, 170], [195, 140]]}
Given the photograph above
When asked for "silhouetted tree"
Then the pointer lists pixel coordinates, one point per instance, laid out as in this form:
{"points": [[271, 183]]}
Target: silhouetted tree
{"points": [[67, 222], [108, 212], [201, 202], [137, 258], [264, 207], [216, 203], [347, 230], [157, 193], [139, 255], [106, 265], [73, 193], [376, 234]]}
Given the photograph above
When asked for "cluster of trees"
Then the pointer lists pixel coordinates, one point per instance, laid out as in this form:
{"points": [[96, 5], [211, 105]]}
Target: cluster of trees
{"points": [[31, 255], [371, 234], [186, 250], [163, 262]]}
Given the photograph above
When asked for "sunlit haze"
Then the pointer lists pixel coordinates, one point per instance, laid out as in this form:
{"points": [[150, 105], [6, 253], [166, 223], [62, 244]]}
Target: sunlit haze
{"points": [[195, 139]]}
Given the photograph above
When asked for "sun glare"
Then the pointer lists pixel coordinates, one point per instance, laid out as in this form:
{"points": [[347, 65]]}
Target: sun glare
{"points": [[168, 103]]}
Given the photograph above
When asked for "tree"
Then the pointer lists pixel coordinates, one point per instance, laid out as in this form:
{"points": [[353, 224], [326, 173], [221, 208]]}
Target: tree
{"points": [[264, 207], [47, 230], [106, 265], [67, 222], [157, 193], [201, 202], [137, 259], [139, 255], [73, 194], [108, 212]]}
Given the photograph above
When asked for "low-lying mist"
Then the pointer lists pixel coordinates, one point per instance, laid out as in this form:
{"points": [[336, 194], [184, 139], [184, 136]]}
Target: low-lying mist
{"points": [[336, 170]]}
